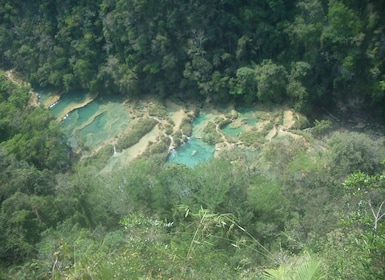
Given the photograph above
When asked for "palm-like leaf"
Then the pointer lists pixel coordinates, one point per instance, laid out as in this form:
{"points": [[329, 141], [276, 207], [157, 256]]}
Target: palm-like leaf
{"points": [[281, 273], [307, 269]]}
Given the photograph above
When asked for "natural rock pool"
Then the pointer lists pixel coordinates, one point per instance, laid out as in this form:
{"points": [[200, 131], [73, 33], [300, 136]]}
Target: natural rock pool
{"points": [[92, 122], [89, 122], [195, 150]]}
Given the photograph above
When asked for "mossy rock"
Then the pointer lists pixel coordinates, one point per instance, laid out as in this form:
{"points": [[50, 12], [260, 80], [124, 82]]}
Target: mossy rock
{"points": [[252, 138], [138, 130], [234, 114], [159, 147], [210, 127], [224, 122], [218, 120], [186, 127], [231, 139], [262, 115], [179, 138], [168, 129], [267, 127], [212, 138], [158, 110]]}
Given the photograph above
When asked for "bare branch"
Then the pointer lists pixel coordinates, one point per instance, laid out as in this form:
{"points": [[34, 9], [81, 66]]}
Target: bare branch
{"points": [[379, 211]]}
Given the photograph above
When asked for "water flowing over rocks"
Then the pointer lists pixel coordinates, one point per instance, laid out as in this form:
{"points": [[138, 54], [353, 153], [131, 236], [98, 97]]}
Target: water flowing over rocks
{"points": [[184, 132]]}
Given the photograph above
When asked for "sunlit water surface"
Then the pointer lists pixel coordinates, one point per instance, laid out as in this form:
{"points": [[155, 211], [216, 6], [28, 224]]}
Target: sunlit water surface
{"points": [[92, 125], [102, 120]]}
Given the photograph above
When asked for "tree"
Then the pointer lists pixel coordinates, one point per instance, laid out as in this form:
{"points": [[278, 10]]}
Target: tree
{"points": [[296, 90], [359, 244], [271, 81], [22, 219], [352, 152], [344, 26], [117, 77], [245, 82], [37, 139], [369, 193]]}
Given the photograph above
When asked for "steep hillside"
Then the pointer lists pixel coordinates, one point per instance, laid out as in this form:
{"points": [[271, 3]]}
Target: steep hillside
{"points": [[310, 53]]}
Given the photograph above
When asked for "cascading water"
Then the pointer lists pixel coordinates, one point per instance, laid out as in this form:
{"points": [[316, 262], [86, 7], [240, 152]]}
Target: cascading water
{"points": [[92, 122]]}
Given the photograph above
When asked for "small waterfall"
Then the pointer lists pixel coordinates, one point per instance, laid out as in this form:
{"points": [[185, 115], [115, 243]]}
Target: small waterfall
{"points": [[113, 145]]}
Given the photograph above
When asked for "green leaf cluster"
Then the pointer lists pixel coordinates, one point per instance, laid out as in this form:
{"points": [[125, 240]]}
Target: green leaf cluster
{"points": [[311, 53]]}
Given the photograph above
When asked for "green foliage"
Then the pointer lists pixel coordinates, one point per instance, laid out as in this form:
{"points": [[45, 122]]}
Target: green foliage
{"points": [[99, 159], [360, 241], [33, 142], [211, 136], [281, 151], [272, 80], [265, 196], [31, 134], [343, 24], [161, 147], [306, 268], [61, 223], [252, 138], [186, 127], [69, 246], [352, 152], [321, 127], [216, 182], [23, 217], [245, 83], [296, 90], [346, 255], [140, 128], [19, 97], [158, 110], [250, 50], [370, 192]]}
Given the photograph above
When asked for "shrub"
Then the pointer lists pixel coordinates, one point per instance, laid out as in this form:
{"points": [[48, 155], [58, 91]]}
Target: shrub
{"points": [[186, 127], [212, 136], [158, 110], [160, 147], [138, 130], [99, 159], [252, 138], [352, 152], [321, 127]]}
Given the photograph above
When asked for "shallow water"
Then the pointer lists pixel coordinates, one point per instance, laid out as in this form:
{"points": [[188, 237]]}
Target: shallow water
{"points": [[195, 150], [248, 116], [92, 125], [45, 96], [102, 120], [232, 131], [192, 152], [67, 100]]}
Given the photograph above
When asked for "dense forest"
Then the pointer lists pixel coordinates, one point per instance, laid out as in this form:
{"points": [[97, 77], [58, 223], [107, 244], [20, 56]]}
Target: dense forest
{"points": [[311, 53], [296, 208]]}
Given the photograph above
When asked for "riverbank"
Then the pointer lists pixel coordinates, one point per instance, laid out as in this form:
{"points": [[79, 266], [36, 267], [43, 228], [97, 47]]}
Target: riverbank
{"points": [[17, 79], [177, 122], [222, 127]]}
